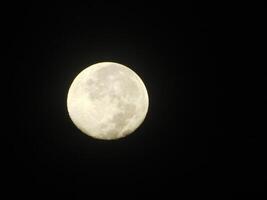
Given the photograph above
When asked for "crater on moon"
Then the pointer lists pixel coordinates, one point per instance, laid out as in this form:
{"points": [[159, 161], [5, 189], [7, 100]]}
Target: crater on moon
{"points": [[114, 101]]}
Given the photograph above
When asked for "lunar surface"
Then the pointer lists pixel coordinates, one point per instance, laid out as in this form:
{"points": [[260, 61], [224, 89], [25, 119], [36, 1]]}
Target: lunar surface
{"points": [[107, 101]]}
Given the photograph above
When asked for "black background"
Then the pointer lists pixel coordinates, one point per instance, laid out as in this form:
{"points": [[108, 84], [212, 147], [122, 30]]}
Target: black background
{"points": [[180, 52]]}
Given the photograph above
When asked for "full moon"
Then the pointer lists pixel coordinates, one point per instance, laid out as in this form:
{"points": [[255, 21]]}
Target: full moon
{"points": [[107, 101]]}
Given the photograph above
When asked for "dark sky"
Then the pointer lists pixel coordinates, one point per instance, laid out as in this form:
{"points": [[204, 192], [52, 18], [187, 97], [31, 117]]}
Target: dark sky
{"points": [[177, 49]]}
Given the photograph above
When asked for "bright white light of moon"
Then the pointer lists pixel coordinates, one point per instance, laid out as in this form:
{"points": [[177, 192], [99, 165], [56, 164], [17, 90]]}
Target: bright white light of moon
{"points": [[107, 101]]}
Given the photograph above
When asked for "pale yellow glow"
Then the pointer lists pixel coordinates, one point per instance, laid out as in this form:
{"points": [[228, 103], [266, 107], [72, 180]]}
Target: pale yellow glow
{"points": [[107, 101]]}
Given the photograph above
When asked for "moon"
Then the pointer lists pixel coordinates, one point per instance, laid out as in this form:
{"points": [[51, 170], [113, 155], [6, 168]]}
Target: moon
{"points": [[107, 101]]}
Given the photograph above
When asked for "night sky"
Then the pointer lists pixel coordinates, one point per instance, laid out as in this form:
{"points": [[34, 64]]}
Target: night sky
{"points": [[177, 49]]}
